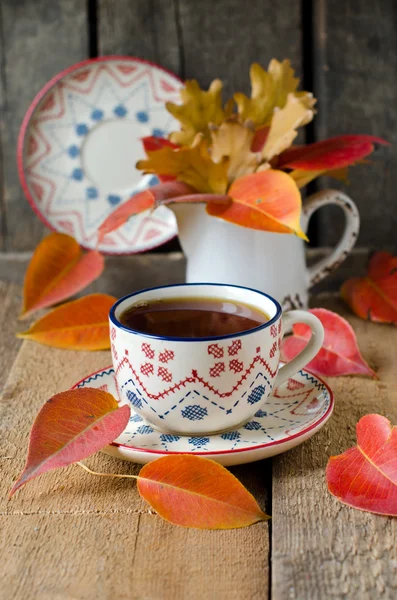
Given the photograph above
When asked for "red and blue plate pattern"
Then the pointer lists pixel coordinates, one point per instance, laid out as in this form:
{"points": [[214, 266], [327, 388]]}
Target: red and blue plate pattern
{"points": [[74, 173]]}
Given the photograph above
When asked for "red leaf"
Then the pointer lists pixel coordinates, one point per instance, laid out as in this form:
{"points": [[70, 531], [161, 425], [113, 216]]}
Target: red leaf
{"points": [[71, 426], [365, 477], [335, 153], [339, 354], [58, 270], [152, 143], [140, 202], [260, 137], [374, 297], [196, 492]]}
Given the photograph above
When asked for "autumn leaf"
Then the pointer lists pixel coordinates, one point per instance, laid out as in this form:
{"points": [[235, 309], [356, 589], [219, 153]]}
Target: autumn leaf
{"points": [[152, 143], [339, 354], [78, 325], [233, 141], [71, 426], [302, 177], [374, 296], [267, 200], [196, 492], [145, 200], [192, 165], [335, 153], [199, 108], [285, 122], [365, 477], [58, 270], [269, 89]]}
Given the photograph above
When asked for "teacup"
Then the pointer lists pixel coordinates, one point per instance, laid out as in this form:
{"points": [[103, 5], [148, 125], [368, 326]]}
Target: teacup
{"points": [[197, 386]]}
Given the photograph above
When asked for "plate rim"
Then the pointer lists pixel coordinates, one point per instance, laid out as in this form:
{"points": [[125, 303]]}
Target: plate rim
{"points": [[29, 114], [324, 418]]}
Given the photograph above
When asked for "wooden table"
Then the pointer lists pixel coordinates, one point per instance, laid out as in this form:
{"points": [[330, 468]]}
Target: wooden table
{"points": [[70, 535]]}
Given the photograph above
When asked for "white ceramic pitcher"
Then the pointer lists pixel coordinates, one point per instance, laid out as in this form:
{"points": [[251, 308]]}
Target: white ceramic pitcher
{"points": [[274, 263]]}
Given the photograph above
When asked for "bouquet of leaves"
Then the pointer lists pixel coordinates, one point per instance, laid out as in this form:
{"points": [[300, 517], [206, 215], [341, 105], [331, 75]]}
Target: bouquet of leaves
{"points": [[238, 157]]}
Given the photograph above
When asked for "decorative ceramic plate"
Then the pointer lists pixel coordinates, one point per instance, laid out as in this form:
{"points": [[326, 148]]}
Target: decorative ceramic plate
{"points": [[292, 414], [79, 143]]}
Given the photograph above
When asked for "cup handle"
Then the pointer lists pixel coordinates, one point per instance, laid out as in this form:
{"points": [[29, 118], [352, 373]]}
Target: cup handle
{"points": [[328, 264], [309, 351]]}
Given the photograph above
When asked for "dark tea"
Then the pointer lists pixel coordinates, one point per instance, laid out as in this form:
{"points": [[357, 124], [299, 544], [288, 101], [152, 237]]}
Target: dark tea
{"points": [[192, 317]]}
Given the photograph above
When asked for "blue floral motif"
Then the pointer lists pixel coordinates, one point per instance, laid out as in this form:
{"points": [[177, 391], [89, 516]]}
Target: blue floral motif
{"points": [[77, 174], [194, 412], [113, 199], [261, 413], [256, 394], [142, 116], [134, 399], [231, 435], [73, 151], [97, 114], [165, 437], [81, 129], [92, 193], [145, 429], [120, 111], [252, 425], [198, 441]]}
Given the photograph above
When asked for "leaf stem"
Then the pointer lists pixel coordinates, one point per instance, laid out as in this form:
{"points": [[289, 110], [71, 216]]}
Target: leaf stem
{"points": [[118, 475]]}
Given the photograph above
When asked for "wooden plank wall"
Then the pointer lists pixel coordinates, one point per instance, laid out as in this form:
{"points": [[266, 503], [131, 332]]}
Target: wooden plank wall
{"points": [[346, 52]]}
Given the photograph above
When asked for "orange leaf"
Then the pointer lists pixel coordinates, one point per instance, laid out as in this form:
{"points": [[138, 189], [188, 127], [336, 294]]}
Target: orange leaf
{"points": [[339, 354], [267, 200], [196, 492], [138, 203], [374, 296], [71, 426], [78, 325], [57, 271], [365, 477]]}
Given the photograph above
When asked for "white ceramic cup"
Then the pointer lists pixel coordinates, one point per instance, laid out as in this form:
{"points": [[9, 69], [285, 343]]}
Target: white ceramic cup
{"points": [[194, 386]]}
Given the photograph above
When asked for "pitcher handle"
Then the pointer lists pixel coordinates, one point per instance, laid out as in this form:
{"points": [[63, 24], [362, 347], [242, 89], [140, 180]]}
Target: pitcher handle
{"points": [[309, 351], [326, 265]]}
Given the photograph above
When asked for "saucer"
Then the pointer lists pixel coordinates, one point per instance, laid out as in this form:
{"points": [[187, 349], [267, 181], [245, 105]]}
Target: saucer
{"points": [[292, 414], [80, 140]]}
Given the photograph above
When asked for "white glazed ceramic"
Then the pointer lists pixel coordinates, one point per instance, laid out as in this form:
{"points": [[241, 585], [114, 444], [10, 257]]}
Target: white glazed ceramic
{"points": [[293, 413], [271, 262], [80, 140], [204, 385]]}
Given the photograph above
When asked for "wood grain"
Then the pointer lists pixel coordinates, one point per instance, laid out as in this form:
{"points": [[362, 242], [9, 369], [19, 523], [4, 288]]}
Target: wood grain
{"points": [[38, 40], [70, 534], [143, 28], [10, 307], [320, 547], [222, 38], [354, 80]]}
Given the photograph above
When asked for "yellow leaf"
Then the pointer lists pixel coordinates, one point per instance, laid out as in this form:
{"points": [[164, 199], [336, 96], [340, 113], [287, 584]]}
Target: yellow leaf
{"points": [[198, 109], [285, 122], [269, 89], [192, 165], [233, 141]]}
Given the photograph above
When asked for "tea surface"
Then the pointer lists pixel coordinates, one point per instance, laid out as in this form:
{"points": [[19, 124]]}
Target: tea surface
{"points": [[192, 317]]}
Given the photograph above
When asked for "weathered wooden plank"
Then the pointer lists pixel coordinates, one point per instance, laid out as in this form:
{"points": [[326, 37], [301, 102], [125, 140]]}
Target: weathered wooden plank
{"points": [[10, 306], [124, 274], [221, 39], [146, 29], [321, 548], [355, 64], [38, 40]]}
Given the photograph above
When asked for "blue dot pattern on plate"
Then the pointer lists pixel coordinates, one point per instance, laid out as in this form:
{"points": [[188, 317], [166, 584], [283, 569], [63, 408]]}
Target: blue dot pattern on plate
{"points": [[92, 193], [142, 116], [158, 132], [81, 129], [194, 412], [120, 111], [113, 199], [97, 114], [73, 151], [77, 174]]}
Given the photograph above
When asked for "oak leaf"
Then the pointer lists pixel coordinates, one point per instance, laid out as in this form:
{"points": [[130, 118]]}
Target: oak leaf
{"points": [[374, 296], [339, 354], [192, 165], [58, 270], [233, 141], [78, 325], [199, 108], [365, 477], [71, 426]]}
